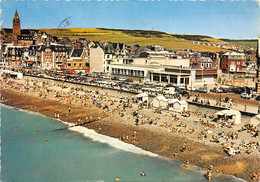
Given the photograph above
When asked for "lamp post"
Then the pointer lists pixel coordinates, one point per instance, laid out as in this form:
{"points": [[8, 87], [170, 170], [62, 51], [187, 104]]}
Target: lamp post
{"points": [[220, 94]]}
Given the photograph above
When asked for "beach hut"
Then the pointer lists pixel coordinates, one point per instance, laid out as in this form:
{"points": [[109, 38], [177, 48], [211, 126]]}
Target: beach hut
{"points": [[177, 105], [171, 104], [230, 115], [255, 121], [19, 75], [142, 98], [160, 101]]}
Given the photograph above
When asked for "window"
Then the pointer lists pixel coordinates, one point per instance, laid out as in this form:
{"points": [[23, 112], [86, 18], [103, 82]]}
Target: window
{"points": [[79, 64], [75, 64], [182, 80], [69, 64]]}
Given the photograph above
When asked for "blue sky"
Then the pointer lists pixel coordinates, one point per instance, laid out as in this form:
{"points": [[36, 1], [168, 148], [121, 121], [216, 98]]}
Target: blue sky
{"points": [[236, 19]]}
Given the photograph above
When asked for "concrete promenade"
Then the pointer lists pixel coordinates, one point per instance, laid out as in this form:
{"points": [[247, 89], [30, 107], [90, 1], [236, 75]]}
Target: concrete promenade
{"points": [[251, 110]]}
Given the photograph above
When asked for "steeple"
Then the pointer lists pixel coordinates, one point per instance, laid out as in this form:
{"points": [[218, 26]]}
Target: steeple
{"points": [[16, 16], [16, 24]]}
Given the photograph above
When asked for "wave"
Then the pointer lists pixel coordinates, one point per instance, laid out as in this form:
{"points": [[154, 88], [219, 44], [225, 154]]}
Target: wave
{"points": [[114, 142]]}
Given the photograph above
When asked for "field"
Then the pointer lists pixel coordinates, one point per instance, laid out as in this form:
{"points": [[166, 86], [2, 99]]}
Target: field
{"points": [[140, 37], [245, 43]]}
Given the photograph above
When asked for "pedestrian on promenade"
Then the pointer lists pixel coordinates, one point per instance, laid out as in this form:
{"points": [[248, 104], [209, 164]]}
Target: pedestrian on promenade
{"points": [[69, 109], [245, 107]]}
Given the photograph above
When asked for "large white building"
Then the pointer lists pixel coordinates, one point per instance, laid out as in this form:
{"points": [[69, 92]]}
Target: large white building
{"points": [[163, 67], [97, 62]]}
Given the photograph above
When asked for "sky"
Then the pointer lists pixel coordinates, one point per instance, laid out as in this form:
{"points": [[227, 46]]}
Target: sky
{"points": [[234, 19]]}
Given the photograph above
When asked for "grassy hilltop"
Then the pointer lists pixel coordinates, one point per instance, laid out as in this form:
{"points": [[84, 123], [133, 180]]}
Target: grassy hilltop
{"points": [[245, 43], [140, 37]]}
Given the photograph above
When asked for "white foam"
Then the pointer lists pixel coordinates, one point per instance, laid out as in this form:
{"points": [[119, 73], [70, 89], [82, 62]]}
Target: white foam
{"points": [[114, 142]]}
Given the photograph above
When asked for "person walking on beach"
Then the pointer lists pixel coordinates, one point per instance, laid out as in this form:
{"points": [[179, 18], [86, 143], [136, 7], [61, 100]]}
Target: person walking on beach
{"points": [[134, 134], [187, 164], [208, 175], [69, 109], [245, 107], [175, 154]]}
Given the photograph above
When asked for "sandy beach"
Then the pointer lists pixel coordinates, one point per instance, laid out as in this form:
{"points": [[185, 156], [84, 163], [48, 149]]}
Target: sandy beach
{"points": [[111, 113]]}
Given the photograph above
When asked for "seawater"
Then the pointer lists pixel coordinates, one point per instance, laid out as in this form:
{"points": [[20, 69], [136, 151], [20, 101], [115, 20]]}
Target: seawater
{"points": [[70, 155]]}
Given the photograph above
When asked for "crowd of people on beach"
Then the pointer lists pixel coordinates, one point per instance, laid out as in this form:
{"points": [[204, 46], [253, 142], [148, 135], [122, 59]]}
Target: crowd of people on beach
{"points": [[197, 124]]}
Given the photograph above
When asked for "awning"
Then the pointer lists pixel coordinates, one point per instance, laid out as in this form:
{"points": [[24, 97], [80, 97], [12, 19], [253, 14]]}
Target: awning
{"points": [[30, 62]]}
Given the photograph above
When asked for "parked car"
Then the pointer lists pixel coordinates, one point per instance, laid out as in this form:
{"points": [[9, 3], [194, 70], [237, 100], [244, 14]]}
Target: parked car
{"points": [[182, 87], [158, 89], [169, 85], [202, 90], [231, 89], [137, 86], [121, 79], [168, 90], [115, 78], [128, 85], [89, 80], [239, 90], [158, 84], [224, 90], [148, 83], [97, 81], [120, 83], [245, 95], [129, 80], [216, 90], [183, 93], [191, 89]]}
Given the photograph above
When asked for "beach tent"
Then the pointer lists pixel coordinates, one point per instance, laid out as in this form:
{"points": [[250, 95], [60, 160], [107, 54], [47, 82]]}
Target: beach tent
{"points": [[255, 121], [142, 98], [160, 101], [232, 115], [17, 75], [177, 105]]}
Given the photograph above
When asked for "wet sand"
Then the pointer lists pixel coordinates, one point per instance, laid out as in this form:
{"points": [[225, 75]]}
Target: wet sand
{"points": [[148, 137]]}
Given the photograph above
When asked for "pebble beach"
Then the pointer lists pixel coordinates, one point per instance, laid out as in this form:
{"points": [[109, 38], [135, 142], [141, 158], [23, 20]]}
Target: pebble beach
{"points": [[111, 113]]}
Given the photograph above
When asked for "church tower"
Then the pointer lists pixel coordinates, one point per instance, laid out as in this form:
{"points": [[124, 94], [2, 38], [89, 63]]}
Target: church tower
{"points": [[16, 25]]}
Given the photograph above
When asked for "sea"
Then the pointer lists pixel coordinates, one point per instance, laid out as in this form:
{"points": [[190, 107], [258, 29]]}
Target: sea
{"points": [[79, 155]]}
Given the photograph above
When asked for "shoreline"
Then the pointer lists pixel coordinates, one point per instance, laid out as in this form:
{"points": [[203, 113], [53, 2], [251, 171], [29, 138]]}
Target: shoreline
{"points": [[148, 138], [133, 148]]}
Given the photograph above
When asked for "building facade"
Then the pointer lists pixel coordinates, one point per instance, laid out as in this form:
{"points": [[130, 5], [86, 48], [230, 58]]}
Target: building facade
{"points": [[233, 63]]}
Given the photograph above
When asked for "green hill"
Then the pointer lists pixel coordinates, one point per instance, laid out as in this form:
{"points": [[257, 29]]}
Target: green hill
{"points": [[140, 37], [244, 42]]}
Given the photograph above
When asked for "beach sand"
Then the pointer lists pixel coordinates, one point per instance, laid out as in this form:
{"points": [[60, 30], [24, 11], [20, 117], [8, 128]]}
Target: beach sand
{"points": [[148, 137]]}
